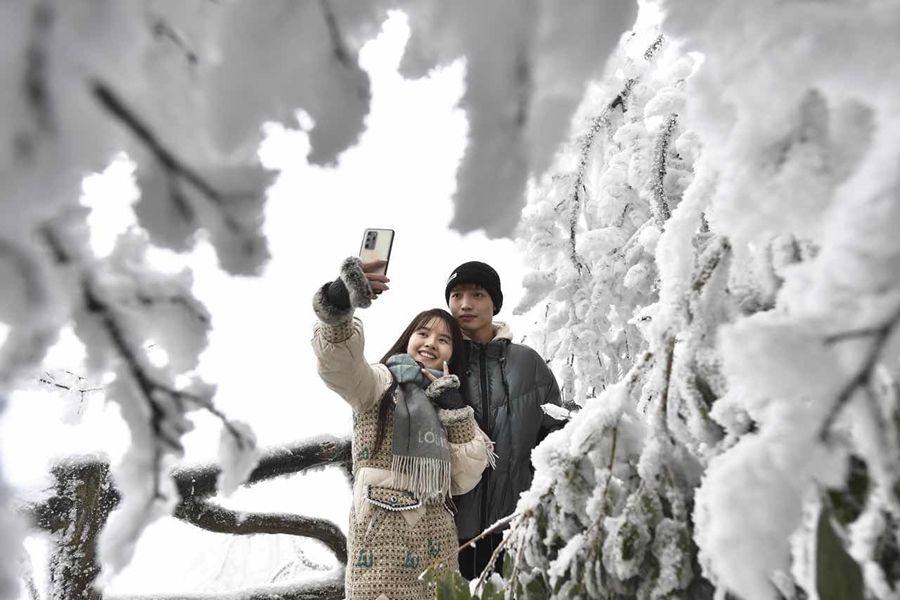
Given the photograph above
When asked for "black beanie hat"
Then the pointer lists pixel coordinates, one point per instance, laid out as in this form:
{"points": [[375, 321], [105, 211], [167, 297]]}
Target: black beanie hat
{"points": [[480, 274]]}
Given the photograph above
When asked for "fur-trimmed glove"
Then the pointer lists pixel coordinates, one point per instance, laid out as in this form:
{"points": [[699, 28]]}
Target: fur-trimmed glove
{"points": [[444, 393], [335, 301]]}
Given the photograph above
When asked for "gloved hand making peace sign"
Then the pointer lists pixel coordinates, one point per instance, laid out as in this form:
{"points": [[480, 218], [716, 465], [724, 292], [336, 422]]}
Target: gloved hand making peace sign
{"points": [[444, 390]]}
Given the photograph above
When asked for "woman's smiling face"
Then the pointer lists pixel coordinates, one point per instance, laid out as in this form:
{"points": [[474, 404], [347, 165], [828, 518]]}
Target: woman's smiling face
{"points": [[431, 344]]}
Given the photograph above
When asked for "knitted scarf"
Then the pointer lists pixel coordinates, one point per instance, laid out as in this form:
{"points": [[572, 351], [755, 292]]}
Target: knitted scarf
{"points": [[420, 449]]}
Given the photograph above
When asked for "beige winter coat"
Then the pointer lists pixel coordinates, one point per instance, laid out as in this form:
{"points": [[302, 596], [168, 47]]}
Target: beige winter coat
{"points": [[394, 536]]}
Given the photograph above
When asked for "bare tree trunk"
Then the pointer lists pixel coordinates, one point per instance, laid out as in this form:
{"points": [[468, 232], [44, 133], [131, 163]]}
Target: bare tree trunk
{"points": [[84, 498]]}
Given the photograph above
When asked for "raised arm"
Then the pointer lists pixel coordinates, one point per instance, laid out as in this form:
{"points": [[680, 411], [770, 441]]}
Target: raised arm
{"points": [[338, 339]]}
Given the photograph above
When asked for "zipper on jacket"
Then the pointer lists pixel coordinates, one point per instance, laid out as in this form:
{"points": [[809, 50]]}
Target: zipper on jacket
{"points": [[485, 400], [486, 408]]}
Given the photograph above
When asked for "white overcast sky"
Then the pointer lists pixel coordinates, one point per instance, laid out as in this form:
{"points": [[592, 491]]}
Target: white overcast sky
{"points": [[400, 176]]}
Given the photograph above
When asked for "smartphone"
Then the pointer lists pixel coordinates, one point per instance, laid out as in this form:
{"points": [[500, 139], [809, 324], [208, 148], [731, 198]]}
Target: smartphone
{"points": [[376, 245]]}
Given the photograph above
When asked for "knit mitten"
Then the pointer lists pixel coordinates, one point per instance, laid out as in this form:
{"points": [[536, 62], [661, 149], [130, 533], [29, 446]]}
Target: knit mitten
{"points": [[335, 301], [444, 393]]}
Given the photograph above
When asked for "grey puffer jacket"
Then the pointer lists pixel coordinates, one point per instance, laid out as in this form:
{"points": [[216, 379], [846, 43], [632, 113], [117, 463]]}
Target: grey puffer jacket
{"points": [[506, 383]]}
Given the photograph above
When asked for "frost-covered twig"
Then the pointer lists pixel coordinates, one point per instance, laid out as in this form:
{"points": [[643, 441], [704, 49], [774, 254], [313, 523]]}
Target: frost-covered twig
{"points": [[500, 523], [612, 461], [48, 379], [706, 266], [587, 142], [651, 51], [862, 377], [515, 570], [634, 374], [300, 563], [489, 567], [634, 238], [222, 520], [708, 261], [490, 564], [660, 205], [669, 354]]}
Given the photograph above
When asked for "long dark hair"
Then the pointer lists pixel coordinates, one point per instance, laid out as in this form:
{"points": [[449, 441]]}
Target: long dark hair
{"points": [[456, 364]]}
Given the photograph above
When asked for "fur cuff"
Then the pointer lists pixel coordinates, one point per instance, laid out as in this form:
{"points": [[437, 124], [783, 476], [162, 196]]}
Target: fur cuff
{"points": [[459, 424], [436, 388], [326, 311], [455, 415], [358, 287]]}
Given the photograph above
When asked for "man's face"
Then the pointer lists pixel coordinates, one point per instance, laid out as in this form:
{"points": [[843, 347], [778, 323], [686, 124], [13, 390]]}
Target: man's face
{"points": [[472, 306]]}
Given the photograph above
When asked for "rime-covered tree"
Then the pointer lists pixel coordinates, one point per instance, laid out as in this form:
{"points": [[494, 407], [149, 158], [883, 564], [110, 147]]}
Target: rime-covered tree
{"points": [[609, 513], [716, 284], [182, 88]]}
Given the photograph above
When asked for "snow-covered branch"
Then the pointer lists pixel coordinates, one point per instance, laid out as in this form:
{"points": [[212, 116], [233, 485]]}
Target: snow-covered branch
{"points": [[200, 481], [579, 190], [660, 204], [174, 166], [210, 517]]}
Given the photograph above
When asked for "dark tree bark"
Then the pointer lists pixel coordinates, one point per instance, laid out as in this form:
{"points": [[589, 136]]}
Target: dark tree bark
{"points": [[215, 518], [84, 498], [200, 481]]}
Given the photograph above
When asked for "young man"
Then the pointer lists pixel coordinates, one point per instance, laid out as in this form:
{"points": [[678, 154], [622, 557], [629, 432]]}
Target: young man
{"points": [[506, 384]]}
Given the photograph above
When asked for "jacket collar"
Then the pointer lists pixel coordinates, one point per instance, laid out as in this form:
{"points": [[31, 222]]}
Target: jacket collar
{"points": [[502, 331], [496, 348]]}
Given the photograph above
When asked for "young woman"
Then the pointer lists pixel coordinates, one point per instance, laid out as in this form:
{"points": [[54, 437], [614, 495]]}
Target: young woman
{"points": [[415, 441]]}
